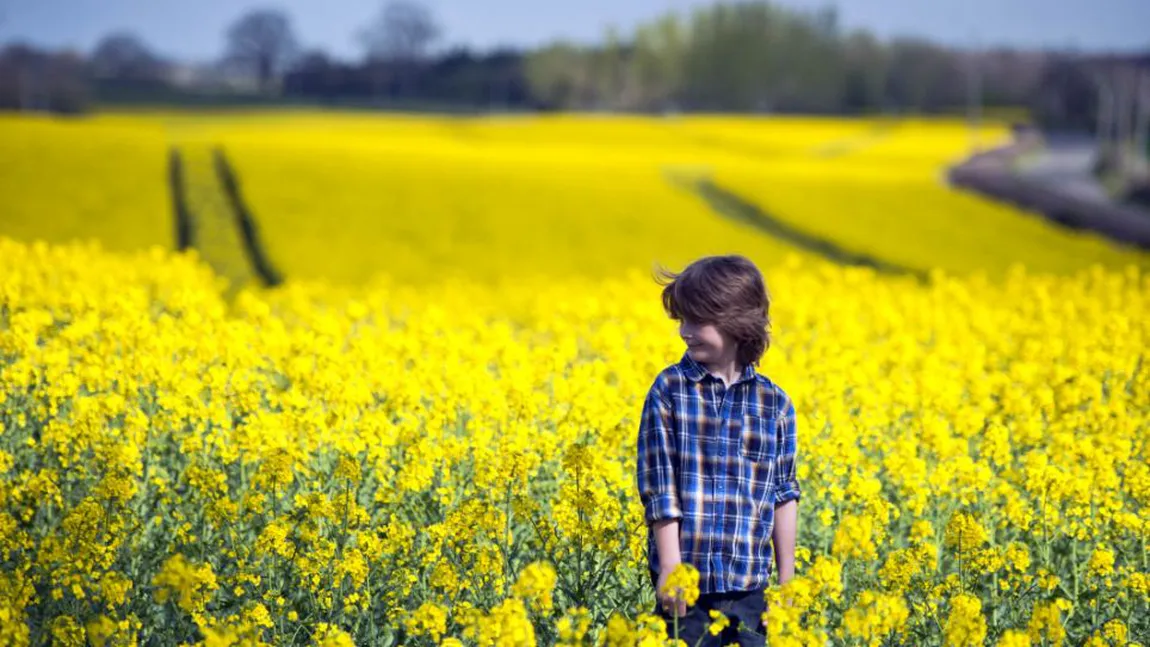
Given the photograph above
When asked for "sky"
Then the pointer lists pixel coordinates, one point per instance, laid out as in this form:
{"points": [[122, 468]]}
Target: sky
{"points": [[193, 29]]}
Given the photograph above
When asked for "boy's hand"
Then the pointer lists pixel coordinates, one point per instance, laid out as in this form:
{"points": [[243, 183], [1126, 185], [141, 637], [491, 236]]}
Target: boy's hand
{"points": [[671, 604]]}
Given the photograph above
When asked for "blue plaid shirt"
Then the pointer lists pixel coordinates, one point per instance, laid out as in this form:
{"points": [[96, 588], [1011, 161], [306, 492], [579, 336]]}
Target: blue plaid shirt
{"points": [[719, 459]]}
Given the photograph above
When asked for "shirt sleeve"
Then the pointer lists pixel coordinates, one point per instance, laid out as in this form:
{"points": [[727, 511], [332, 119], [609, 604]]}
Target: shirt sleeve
{"points": [[657, 459], [786, 478]]}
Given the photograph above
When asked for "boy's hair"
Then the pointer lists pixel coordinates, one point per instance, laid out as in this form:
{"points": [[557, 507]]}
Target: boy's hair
{"points": [[727, 291]]}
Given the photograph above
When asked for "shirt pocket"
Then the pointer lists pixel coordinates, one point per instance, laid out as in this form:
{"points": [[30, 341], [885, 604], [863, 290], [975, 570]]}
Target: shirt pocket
{"points": [[757, 438]]}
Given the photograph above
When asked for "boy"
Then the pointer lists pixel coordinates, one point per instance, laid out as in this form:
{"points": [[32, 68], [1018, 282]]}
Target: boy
{"points": [[716, 455]]}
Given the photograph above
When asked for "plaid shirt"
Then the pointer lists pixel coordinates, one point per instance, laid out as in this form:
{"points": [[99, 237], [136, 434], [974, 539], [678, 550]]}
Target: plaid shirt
{"points": [[719, 459]]}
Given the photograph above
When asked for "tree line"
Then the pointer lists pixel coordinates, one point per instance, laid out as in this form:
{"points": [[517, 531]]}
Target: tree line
{"points": [[748, 56]]}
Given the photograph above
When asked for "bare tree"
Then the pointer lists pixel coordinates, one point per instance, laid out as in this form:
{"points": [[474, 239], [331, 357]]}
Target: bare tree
{"points": [[263, 39], [402, 32], [122, 55], [398, 38]]}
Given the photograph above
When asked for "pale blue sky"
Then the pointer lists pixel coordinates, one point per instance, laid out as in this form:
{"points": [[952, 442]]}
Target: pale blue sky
{"points": [[193, 29]]}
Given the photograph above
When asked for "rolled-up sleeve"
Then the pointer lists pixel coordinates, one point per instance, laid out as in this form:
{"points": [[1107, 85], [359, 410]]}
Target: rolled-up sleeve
{"points": [[656, 459], [786, 477]]}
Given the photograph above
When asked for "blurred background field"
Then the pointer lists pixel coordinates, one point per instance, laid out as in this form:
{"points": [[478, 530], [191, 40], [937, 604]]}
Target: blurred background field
{"points": [[325, 340], [346, 197], [102, 179]]}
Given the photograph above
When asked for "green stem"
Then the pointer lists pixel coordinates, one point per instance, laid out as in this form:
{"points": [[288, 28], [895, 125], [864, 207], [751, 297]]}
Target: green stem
{"points": [[1094, 612], [994, 599], [1045, 536], [1074, 565], [961, 577], [507, 544], [579, 539], [1145, 552]]}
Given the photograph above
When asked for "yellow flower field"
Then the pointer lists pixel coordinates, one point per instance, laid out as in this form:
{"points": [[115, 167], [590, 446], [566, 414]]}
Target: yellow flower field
{"points": [[426, 435], [342, 198], [888, 199], [76, 179], [345, 197], [454, 465]]}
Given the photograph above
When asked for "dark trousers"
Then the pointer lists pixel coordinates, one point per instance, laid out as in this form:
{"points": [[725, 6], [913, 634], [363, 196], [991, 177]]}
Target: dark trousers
{"points": [[746, 607]]}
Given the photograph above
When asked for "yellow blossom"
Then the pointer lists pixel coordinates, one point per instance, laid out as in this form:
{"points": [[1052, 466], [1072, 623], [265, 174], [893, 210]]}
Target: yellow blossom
{"points": [[683, 583]]}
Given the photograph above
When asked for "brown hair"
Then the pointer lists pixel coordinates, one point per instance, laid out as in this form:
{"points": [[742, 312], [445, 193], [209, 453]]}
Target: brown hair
{"points": [[727, 291]]}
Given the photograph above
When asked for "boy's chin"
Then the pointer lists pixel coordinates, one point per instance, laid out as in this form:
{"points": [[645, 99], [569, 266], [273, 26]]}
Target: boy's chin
{"points": [[698, 354]]}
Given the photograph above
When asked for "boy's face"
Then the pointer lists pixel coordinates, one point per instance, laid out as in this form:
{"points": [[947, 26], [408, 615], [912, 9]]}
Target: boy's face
{"points": [[705, 342]]}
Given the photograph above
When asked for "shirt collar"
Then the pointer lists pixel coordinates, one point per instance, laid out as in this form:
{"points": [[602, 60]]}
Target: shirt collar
{"points": [[696, 371]]}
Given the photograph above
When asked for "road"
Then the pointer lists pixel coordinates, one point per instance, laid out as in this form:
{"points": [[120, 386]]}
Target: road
{"points": [[1064, 165]]}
